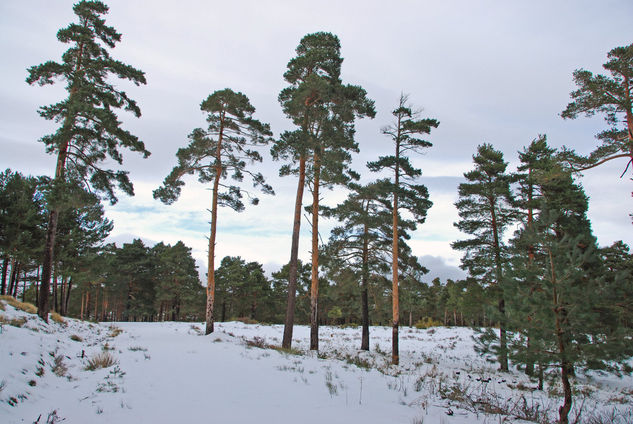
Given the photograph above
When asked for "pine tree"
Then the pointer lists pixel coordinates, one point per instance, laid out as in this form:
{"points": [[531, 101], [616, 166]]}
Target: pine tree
{"points": [[90, 130], [363, 240], [176, 279], [21, 223], [609, 95], [80, 232], [224, 148], [404, 132], [536, 160], [324, 109], [485, 209], [569, 329]]}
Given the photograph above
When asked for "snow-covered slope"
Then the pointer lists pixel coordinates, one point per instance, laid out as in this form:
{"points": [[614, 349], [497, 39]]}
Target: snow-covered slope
{"points": [[172, 373]]}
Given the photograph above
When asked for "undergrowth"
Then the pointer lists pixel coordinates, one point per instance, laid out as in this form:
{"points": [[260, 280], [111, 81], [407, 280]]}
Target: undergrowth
{"points": [[100, 360], [23, 306]]}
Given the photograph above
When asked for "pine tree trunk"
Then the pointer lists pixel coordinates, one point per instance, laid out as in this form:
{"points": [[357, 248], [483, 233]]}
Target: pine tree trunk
{"points": [[43, 306], [314, 287], [16, 283], [5, 268], [83, 305], [364, 344], [128, 302], [24, 288], [97, 303], [67, 300], [11, 277], [395, 351], [565, 366], [503, 349], [294, 257], [214, 224]]}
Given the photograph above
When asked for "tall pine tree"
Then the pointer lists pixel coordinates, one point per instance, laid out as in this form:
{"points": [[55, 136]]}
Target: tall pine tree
{"points": [[485, 211], [225, 147], [405, 132], [90, 132], [324, 109]]}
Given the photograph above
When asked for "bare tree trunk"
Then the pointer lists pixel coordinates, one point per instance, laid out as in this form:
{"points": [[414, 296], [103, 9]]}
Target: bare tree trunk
{"points": [[294, 257], [503, 344], [314, 287], [395, 350], [12, 277], [364, 344], [67, 300], [5, 268], [16, 283], [55, 291], [214, 224], [83, 305], [96, 302], [565, 366], [24, 287]]}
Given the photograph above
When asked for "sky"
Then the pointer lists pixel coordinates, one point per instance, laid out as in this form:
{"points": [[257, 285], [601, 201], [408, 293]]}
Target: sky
{"points": [[490, 71]]}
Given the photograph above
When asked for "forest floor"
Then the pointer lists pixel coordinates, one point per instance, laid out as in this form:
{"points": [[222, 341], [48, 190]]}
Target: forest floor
{"points": [[171, 373]]}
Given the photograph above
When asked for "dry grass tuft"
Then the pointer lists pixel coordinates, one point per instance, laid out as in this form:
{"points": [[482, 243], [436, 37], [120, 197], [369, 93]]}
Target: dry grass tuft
{"points": [[57, 318], [245, 320], [427, 322], [100, 360], [58, 366], [114, 331], [23, 306], [16, 322]]}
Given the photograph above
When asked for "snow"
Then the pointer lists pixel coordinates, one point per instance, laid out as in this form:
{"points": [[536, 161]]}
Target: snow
{"points": [[170, 372]]}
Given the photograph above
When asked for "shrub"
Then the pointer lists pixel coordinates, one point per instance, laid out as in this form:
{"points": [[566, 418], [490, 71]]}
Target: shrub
{"points": [[427, 322], [100, 360]]}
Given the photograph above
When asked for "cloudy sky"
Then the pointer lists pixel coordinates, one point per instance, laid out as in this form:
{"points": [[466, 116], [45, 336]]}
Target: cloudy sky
{"points": [[489, 71]]}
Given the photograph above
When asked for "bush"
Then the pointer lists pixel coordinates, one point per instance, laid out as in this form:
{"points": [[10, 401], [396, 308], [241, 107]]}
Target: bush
{"points": [[427, 322], [100, 360]]}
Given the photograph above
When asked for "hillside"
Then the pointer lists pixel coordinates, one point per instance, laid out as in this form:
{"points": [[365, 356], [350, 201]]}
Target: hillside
{"points": [[169, 372]]}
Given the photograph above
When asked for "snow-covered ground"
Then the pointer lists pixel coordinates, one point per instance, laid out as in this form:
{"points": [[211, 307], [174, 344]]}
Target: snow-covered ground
{"points": [[171, 373]]}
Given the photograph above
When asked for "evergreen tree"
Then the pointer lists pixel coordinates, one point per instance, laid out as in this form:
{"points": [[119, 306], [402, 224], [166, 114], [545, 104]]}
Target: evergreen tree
{"points": [[21, 224], [177, 280], [362, 242], [536, 161], [132, 277], [618, 262], [90, 130], [228, 143], [485, 209], [80, 232], [280, 282], [407, 196], [609, 95], [569, 329], [324, 109]]}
